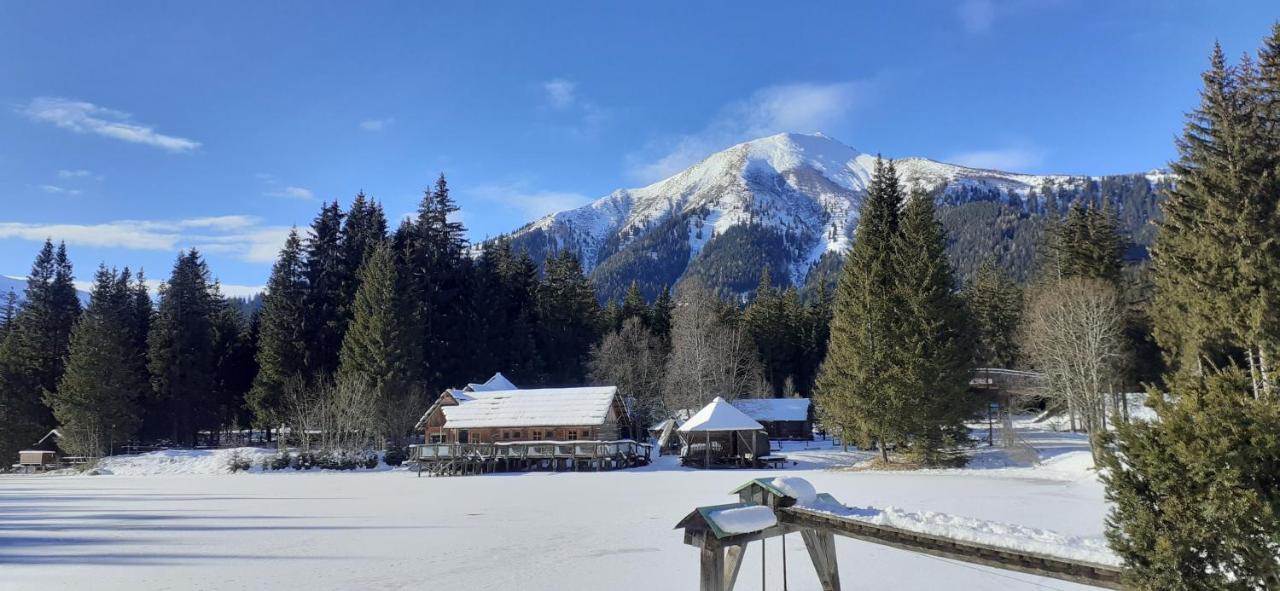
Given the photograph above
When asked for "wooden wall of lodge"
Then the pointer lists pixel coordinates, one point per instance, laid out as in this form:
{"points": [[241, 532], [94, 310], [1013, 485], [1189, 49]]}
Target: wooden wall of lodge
{"points": [[605, 432]]}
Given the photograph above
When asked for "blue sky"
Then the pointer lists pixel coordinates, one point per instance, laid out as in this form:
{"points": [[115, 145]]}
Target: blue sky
{"points": [[131, 130]]}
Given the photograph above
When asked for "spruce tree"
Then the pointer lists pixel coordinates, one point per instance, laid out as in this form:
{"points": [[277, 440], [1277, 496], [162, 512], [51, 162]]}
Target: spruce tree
{"points": [[96, 400], [996, 304], [324, 302], [380, 347], [235, 367], [181, 349], [567, 320], [935, 358], [1194, 255], [1195, 495], [33, 354], [282, 348], [8, 314], [660, 324], [856, 392], [634, 306]]}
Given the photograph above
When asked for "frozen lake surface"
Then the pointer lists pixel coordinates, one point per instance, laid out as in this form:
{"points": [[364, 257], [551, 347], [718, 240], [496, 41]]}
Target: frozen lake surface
{"points": [[532, 531]]}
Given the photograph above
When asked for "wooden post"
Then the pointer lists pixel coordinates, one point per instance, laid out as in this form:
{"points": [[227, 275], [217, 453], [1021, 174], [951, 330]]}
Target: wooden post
{"points": [[712, 573], [822, 550], [706, 453], [732, 564]]}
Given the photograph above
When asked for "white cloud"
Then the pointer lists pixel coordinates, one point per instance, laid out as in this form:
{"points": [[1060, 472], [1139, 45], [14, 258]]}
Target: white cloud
{"points": [[376, 124], [803, 107], [976, 15], [293, 193], [571, 112], [241, 236], [86, 117], [559, 92], [74, 174], [1018, 158], [56, 190], [532, 203], [153, 286]]}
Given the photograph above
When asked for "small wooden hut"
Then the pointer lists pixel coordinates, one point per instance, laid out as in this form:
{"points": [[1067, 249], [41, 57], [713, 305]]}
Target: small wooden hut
{"points": [[721, 435], [783, 418]]}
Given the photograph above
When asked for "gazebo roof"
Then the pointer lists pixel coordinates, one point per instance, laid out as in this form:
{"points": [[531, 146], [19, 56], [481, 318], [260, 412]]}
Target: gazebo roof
{"points": [[720, 416]]}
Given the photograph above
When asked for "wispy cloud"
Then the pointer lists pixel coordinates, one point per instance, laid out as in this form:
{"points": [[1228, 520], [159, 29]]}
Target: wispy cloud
{"points": [[572, 112], [803, 107], [976, 16], [376, 124], [293, 193], [74, 174], [244, 237], [86, 117], [560, 92], [530, 202], [56, 190], [1017, 158]]}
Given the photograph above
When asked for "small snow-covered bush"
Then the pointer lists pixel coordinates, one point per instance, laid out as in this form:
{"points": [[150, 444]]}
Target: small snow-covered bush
{"points": [[280, 461], [239, 461], [370, 459], [395, 456]]}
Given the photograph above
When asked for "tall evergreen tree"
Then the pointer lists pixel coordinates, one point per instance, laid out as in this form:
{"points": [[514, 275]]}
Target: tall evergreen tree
{"points": [[234, 363], [381, 348], [936, 342], [8, 314], [437, 274], [1197, 308], [996, 304], [33, 354], [634, 306], [181, 349], [96, 400], [856, 392], [660, 324], [281, 351], [567, 319], [325, 300]]}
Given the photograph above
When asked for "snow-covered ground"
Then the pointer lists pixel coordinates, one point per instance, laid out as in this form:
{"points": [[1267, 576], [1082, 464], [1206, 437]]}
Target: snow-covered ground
{"points": [[180, 529]]}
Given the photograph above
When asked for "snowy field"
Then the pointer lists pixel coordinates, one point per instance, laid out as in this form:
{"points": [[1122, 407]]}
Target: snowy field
{"points": [[391, 530]]}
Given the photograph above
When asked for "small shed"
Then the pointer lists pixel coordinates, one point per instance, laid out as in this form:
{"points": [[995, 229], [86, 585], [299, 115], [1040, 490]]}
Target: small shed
{"points": [[44, 455], [720, 434], [664, 432], [782, 418]]}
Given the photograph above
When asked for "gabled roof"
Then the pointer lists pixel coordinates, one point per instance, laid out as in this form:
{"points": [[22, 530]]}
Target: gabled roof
{"points": [[719, 416], [774, 409], [494, 384], [663, 425], [546, 407]]}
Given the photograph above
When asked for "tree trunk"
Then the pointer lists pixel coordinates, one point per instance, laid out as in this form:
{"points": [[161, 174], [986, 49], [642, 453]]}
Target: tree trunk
{"points": [[1253, 373], [1264, 368]]}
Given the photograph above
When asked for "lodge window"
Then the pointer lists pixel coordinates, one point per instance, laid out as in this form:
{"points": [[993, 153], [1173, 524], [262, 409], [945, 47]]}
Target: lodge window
{"points": [[437, 438], [515, 434], [573, 434]]}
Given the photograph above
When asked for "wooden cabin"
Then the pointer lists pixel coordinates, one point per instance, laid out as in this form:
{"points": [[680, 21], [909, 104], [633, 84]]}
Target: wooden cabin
{"points": [[44, 455], [782, 418], [722, 435], [546, 414]]}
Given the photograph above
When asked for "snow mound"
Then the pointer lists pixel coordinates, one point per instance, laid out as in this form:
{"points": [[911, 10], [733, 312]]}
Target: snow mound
{"points": [[181, 461], [798, 488], [744, 520], [991, 533]]}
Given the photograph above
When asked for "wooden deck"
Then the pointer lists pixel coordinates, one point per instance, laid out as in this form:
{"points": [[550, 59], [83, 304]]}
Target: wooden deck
{"points": [[458, 459]]}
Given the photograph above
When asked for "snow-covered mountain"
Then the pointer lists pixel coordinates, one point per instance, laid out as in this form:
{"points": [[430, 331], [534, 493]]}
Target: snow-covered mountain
{"points": [[782, 201], [19, 287]]}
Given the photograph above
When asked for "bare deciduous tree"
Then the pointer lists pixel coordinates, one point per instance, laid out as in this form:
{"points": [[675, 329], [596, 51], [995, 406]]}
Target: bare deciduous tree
{"points": [[633, 360], [711, 353], [332, 415], [1073, 333]]}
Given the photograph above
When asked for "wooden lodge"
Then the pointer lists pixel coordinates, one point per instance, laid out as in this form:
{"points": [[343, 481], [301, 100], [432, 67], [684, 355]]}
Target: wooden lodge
{"points": [[496, 427], [782, 418]]}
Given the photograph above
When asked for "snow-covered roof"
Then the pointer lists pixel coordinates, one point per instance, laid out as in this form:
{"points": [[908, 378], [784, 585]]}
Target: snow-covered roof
{"points": [[545, 407], [494, 384], [774, 409], [663, 425], [719, 416]]}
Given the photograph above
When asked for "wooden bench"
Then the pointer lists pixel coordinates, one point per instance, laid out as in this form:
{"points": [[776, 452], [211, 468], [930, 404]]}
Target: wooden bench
{"points": [[773, 461]]}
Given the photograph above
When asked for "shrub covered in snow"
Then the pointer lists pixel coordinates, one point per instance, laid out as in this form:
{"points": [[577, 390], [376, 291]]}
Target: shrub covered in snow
{"points": [[239, 461]]}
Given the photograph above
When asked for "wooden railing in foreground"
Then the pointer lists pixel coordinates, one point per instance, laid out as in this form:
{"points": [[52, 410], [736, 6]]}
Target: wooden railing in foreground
{"points": [[721, 552]]}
